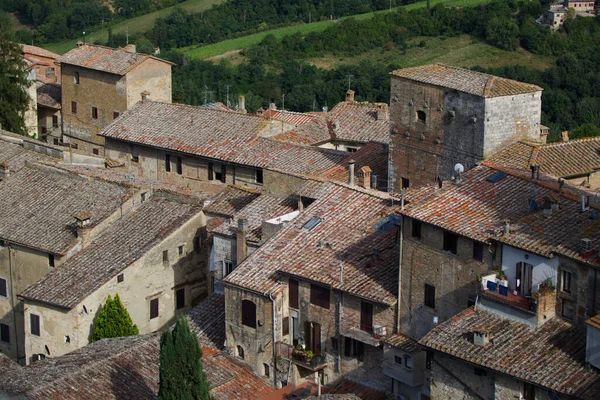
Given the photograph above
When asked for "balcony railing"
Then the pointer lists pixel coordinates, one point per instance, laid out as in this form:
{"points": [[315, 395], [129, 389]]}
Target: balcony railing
{"points": [[301, 358]]}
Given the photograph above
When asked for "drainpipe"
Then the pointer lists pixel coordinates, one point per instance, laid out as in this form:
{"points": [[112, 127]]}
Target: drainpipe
{"points": [[12, 297], [400, 244], [270, 291], [338, 361]]}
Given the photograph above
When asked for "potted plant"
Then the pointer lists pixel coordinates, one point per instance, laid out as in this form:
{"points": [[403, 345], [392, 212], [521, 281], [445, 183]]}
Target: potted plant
{"points": [[501, 278]]}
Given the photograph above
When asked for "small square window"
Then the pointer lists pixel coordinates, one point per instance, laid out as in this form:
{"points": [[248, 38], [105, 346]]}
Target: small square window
{"points": [[34, 324], [153, 308], [96, 151], [180, 298], [94, 112], [3, 288], [120, 278], [450, 242], [398, 360], [429, 300], [180, 250], [416, 229], [4, 333], [116, 114], [408, 362], [405, 183]]}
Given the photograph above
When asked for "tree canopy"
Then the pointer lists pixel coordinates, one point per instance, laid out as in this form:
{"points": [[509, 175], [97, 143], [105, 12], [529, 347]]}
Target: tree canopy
{"points": [[113, 321], [13, 80], [181, 374]]}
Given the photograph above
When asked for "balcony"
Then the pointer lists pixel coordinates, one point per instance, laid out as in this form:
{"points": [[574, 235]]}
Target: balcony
{"points": [[301, 358], [532, 310]]}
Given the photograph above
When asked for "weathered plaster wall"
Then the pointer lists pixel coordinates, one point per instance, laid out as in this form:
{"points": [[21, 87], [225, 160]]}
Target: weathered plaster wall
{"points": [[153, 76], [146, 279], [454, 379], [30, 116]]}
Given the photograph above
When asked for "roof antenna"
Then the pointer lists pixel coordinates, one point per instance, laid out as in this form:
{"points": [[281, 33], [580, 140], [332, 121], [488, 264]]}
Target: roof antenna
{"points": [[459, 169]]}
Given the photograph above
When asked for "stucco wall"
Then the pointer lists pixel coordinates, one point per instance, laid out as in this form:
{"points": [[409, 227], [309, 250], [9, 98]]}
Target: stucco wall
{"points": [[146, 279], [153, 76], [543, 268]]}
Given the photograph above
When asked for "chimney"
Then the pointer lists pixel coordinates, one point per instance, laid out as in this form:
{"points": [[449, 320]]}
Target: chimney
{"points": [[82, 223], [564, 136], [145, 96], [4, 171], [364, 177], [240, 237], [130, 48], [481, 336], [381, 113], [80, 43], [242, 104], [506, 228], [351, 172], [272, 106], [350, 96], [544, 130]]}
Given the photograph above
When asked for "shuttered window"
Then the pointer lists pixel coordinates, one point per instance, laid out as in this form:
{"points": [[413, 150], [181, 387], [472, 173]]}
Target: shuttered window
{"points": [[34, 324], [248, 313], [153, 308], [294, 285]]}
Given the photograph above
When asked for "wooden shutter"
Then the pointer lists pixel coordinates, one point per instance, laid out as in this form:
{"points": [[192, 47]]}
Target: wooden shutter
{"points": [[519, 283], [224, 173], [293, 293], [316, 337], [366, 316], [211, 173]]}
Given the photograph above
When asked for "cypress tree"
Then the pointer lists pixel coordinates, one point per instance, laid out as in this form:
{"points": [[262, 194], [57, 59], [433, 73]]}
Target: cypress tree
{"points": [[13, 80], [113, 321], [181, 374]]}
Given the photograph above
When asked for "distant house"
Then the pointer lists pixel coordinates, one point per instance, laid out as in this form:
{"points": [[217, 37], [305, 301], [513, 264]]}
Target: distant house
{"points": [[44, 63], [99, 83]]}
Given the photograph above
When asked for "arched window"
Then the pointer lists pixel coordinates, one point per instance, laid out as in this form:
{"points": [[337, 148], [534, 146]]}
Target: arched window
{"points": [[421, 116], [240, 351], [248, 313]]}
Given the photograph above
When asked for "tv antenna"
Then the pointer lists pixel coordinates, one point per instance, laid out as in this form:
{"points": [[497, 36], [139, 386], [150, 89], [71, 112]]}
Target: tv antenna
{"points": [[349, 76], [459, 169], [227, 88]]}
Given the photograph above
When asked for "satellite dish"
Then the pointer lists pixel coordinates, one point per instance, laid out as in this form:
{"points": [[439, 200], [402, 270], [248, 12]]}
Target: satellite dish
{"points": [[459, 168]]}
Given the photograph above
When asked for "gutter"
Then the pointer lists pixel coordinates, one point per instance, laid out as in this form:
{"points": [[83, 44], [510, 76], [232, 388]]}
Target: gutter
{"points": [[274, 331]]}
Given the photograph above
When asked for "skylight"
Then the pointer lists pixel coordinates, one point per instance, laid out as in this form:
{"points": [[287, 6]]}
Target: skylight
{"points": [[498, 176], [386, 224], [314, 221]]}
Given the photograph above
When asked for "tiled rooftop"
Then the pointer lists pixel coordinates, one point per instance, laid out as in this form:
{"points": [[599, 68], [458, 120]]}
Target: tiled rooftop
{"points": [[37, 51], [226, 136], [260, 209], [344, 239], [207, 321], [122, 368], [119, 246], [552, 356], [105, 59], [402, 341], [477, 209], [372, 155], [561, 159], [310, 133], [290, 117], [359, 122], [49, 95], [464, 80], [38, 203], [15, 155], [231, 200]]}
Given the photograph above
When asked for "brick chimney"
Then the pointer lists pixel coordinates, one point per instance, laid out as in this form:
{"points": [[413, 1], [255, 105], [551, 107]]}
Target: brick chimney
{"points": [[544, 131], [272, 106], [130, 48], [350, 96], [4, 171], [83, 221], [364, 177], [145, 96], [351, 172], [481, 336], [381, 113], [242, 104], [564, 136], [240, 237]]}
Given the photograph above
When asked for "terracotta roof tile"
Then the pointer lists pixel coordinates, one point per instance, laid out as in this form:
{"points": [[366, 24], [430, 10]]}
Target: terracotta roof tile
{"points": [[290, 117], [231, 200], [49, 95], [310, 133], [105, 59], [464, 80], [38, 51], [344, 239], [551, 356], [16, 155], [360, 122], [207, 321], [120, 245]]}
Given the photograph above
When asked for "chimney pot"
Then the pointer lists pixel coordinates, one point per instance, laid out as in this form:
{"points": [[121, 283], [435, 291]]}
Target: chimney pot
{"points": [[242, 224], [381, 114], [506, 228], [350, 96], [83, 221], [564, 136], [241, 245], [481, 337], [130, 48], [544, 130], [4, 171], [365, 177], [272, 106], [351, 163], [242, 104], [145, 96]]}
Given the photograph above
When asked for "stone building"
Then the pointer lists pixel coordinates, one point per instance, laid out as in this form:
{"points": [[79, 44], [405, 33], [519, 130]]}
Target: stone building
{"points": [[152, 258], [194, 146], [49, 112], [318, 298], [44, 63], [539, 240], [442, 115], [37, 228], [241, 220], [100, 83]]}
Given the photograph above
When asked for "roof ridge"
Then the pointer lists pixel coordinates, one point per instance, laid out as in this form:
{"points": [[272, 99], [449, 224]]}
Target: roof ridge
{"points": [[576, 141]]}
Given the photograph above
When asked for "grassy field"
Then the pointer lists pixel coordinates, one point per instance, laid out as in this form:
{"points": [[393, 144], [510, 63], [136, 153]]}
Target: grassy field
{"points": [[228, 46], [140, 24], [461, 51]]}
